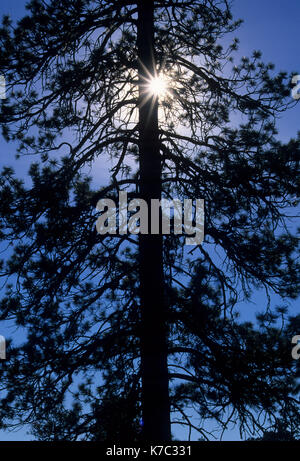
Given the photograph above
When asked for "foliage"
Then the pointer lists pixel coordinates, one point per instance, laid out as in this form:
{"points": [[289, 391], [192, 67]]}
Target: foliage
{"points": [[71, 68]]}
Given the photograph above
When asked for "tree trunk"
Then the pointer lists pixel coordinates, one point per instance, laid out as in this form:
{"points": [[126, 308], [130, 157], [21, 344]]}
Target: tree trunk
{"points": [[154, 368]]}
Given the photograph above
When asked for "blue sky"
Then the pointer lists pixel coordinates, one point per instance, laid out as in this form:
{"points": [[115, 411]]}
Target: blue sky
{"points": [[269, 25]]}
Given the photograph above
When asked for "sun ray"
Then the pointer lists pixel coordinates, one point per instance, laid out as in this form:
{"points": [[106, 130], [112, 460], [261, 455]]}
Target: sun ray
{"points": [[158, 86]]}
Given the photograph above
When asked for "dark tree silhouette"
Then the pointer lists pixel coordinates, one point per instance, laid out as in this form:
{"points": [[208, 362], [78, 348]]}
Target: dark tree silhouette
{"points": [[123, 328], [277, 434]]}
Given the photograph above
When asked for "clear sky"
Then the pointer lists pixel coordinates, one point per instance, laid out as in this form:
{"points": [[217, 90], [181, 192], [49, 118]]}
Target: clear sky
{"points": [[271, 26]]}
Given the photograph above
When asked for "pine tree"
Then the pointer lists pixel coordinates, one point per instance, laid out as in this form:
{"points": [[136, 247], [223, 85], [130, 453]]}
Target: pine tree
{"points": [[125, 333]]}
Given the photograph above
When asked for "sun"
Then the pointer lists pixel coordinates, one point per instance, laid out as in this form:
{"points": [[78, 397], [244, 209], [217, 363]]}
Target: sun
{"points": [[158, 86]]}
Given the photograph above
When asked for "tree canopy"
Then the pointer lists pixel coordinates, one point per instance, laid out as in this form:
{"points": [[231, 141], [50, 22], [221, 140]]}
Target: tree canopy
{"points": [[72, 74]]}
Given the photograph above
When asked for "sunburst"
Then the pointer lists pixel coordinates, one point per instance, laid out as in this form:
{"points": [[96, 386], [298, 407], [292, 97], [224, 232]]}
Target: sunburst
{"points": [[158, 86]]}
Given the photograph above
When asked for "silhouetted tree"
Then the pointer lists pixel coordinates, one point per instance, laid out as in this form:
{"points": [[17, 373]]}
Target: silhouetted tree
{"points": [[278, 434], [101, 314]]}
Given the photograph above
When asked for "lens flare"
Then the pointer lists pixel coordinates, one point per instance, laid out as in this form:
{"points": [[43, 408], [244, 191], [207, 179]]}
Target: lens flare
{"points": [[158, 86]]}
